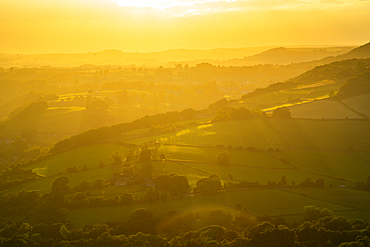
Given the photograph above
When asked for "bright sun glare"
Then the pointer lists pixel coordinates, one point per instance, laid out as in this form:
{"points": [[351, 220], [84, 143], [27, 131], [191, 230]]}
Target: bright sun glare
{"points": [[158, 4]]}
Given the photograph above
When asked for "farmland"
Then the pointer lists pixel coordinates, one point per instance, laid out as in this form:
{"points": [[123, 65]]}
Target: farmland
{"points": [[308, 155], [90, 156], [268, 133]]}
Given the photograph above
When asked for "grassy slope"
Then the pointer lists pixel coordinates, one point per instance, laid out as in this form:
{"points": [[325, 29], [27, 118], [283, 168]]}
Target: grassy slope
{"points": [[250, 166], [323, 134], [44, 184], [259, 201], [91, 156], [247, 133], [338, 165], [275, 133], [319, 109], [81, 217]]}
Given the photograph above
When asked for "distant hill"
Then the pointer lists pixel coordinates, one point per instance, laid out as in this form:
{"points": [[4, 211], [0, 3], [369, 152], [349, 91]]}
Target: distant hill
{"points": [[283, 55], [359, 52], [116, 57]]}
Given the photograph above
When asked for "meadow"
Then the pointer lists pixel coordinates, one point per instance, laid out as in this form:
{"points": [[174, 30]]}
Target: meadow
{"points": [[259, 201], [80, 217], [338, 165], [315, 149], [44, 184], [89, 156]]}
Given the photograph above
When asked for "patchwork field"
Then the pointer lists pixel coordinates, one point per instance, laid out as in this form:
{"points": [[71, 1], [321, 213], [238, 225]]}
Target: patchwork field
{"points": [[259, 202], [319, 109], [44, 184], [273, 133], [337, 165], [80, 217], [91, 156], [313, 149]]}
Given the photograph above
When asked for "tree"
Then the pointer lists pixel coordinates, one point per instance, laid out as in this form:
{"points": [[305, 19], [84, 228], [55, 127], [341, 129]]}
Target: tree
{"points": [[223, 158], [147, 169], [281, 112], [83, 185], [320, 183], [314, 213], [116, 158], [127, 199], [151, 195], [209, 185], [141, 220], [60, 185], [283, 180], [145, 155]]}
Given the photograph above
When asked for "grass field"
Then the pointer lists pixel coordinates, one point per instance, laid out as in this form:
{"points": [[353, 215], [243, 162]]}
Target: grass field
{"points": [[255, 174], [314, 148], [275, 133], [345, 196], [91, 156], [44, 184], [319, 109], [260, 201], [80, 217], [322, 134], [208, 154], [246, 133], [167, 168], [333, 164]]}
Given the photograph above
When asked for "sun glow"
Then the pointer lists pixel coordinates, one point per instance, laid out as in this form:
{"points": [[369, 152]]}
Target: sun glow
{"points": [[158, 4], [178, 8]]}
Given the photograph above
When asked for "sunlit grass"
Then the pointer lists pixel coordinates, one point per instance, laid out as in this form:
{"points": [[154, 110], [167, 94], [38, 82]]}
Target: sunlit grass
{"points": [[260, 202], [245, 133], [44, 184], [160, 209], [334, 164], [91, 156]]}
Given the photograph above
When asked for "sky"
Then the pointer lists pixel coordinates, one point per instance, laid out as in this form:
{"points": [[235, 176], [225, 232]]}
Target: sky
{"points": [[73, 26]]}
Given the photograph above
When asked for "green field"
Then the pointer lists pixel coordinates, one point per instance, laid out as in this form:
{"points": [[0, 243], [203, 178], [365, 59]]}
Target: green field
{"points": [[314, 148], [246, 133], [208, 154], [270, 202], [167, 168], [44, 184], [80, 217], [322, 134], [333, 164], [91, 156], [274, 133], [345, 196]]}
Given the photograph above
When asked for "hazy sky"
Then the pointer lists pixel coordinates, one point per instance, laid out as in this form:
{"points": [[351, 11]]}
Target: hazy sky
{"points": [[44, 26]]}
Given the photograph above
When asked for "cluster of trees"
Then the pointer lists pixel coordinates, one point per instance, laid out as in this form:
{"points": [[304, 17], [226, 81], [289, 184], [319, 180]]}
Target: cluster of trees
{"points": [[210, 185], [364, 185], [357, 84], [15, 175], [105, 133], [320, 228], [236, 114], [229, 114], [337, 70], [94, 104], [172, 183], [32, 109]]}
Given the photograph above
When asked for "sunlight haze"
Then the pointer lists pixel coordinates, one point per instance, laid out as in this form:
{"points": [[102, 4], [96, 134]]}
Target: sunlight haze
{"points": [[41, 26]]}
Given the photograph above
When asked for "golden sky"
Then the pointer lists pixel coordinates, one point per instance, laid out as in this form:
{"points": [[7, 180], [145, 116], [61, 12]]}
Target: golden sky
{"points": [[48, 26]]}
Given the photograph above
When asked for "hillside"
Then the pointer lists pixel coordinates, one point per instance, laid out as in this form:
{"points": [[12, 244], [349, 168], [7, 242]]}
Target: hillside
{"points": [[306, 94], [282, 55], [116, 57], [359, 52]]}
